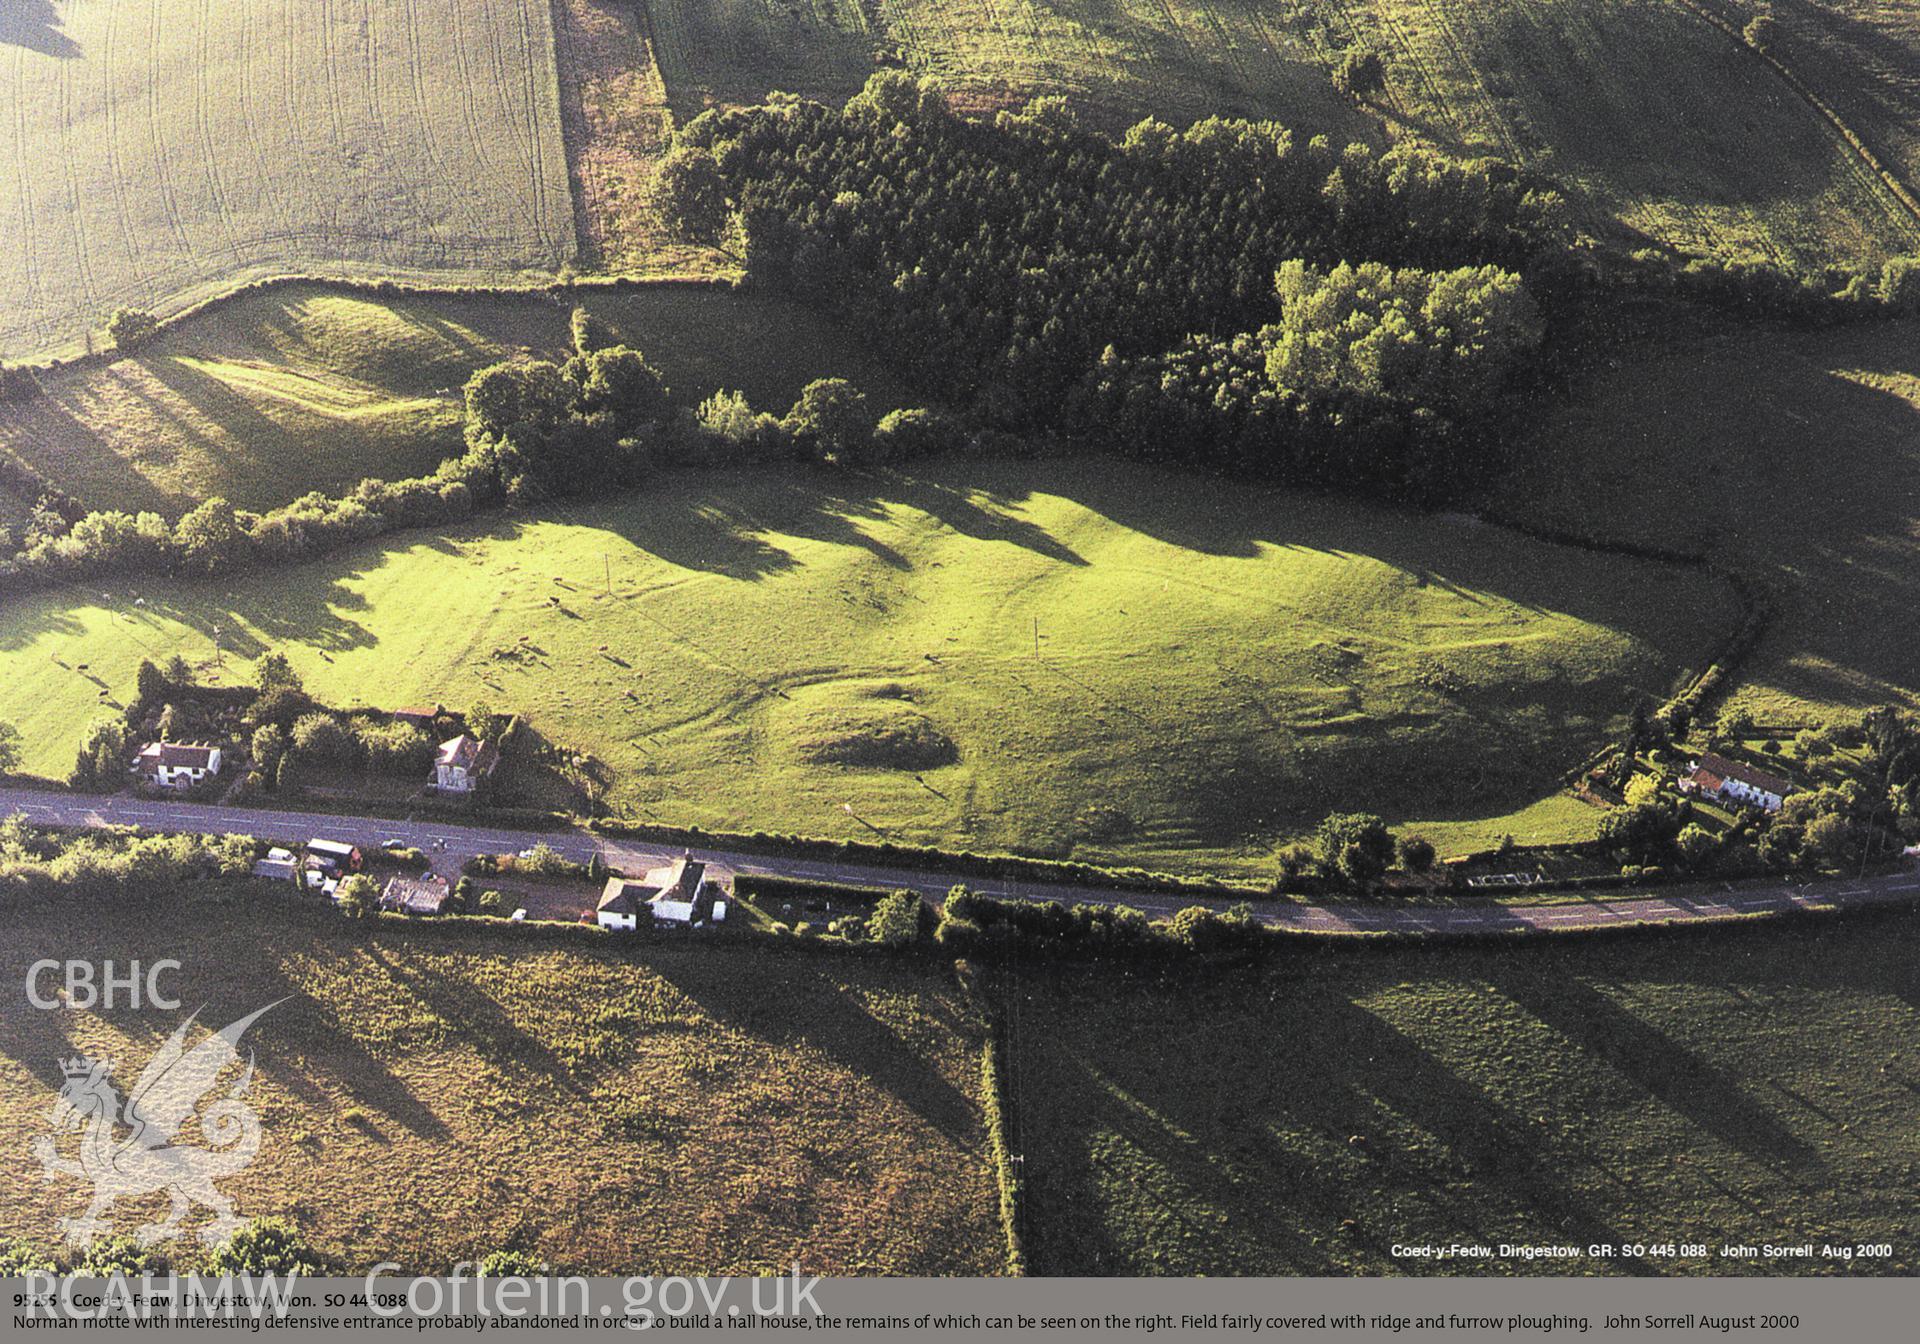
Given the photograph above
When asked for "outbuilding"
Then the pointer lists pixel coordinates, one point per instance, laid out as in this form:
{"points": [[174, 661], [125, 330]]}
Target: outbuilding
{"points": [[280, 865]]}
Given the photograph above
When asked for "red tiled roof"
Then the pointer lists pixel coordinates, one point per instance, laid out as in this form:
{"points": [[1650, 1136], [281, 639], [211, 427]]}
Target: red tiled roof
{"points": [[1714, 763]]}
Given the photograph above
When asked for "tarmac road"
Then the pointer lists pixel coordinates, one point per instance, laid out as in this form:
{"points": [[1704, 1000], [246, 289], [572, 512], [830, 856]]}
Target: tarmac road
{"points": [[450, 845]]}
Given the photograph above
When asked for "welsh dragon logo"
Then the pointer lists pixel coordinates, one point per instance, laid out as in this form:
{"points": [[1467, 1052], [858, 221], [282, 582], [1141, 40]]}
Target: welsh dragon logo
{"points": [[146, 1159]]}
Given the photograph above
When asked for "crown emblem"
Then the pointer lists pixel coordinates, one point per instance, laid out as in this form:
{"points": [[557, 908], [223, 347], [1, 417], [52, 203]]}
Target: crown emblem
{"points": [[76, 1067]]}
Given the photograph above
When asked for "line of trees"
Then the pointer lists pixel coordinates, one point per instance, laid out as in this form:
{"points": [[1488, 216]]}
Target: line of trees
{"points": [[603, 419], [36, 859]]}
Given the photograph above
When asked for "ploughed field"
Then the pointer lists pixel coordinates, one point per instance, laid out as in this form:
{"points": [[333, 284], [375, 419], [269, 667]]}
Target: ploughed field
{"points": [[427, 1098], [1061, 657], [158, 151], [1747, 1087]]}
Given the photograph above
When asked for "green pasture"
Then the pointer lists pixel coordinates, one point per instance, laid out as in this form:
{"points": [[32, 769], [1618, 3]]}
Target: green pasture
{"points": [[1792, 455], [307, 388], [1056, 657], [1755, 1086]]}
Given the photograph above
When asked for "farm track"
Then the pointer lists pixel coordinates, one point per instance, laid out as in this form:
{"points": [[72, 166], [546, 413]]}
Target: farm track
{"points": [[1496, 117], [266, 203], [469, 83], [82, 256], [332, 73], [1424, 70], [116, 171], [417, 95], [162, 164], [379, 123], [29, 226], [503, 79], [210, 154]]}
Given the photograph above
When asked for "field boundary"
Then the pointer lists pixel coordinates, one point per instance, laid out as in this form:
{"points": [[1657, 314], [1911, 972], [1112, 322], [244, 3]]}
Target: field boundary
{"points": [[1711, 682], [997, 1108], [385, 288], [1887, 178]]}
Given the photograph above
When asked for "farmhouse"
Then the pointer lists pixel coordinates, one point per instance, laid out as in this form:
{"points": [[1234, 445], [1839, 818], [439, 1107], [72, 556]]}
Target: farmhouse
{"points": [[1714, 776], [462, 763], [175, 765], [420, 716], [678, 893]]}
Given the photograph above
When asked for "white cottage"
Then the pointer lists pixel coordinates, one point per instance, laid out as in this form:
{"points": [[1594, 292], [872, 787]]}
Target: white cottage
{"points": [[1714, 776], [462, 763], [679, 893], [176, 765]]}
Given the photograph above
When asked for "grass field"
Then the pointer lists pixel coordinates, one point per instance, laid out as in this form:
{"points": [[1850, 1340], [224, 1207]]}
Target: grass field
{"points": [[156, 152], [691, 1109], [1651, 115], [1214, 670], [307, 389], [1797, 457], [1303, 1119]]}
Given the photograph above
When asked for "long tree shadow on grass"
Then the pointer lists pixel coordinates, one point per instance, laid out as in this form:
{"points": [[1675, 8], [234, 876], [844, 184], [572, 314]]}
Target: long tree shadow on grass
{"points": [[295, 1045], [302, 604], [1160, 71], [1869, 952], [1333, 1115], [35, 25], [304, 1043], [1674, 1075], [1796, 455], [477, 1019], [732, 526], [48, 434], [813, 1011]]}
